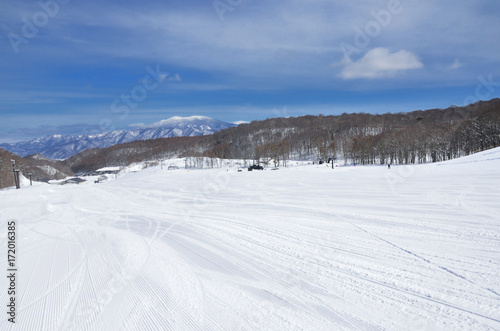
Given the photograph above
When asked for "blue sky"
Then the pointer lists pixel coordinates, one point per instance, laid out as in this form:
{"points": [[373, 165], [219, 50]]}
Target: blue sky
{"points": [[71, 66]]}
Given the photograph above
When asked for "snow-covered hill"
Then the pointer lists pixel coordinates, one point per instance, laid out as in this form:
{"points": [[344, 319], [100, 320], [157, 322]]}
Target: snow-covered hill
{"points": [[64, 146], [302, 248]]}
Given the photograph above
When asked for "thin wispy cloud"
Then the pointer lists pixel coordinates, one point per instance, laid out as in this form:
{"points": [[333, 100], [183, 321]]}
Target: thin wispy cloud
{"points": [[380, 63], [456, 64]]}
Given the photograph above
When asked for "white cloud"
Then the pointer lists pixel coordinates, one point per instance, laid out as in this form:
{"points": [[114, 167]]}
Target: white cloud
{"points": [[380, 62], [457, 64]]}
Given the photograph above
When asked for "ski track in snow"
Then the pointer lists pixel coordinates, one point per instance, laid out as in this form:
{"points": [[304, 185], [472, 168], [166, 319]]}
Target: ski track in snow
{"points": [[355, 248]]}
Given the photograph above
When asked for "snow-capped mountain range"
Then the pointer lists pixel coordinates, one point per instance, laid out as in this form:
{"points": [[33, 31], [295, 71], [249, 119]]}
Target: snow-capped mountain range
{"points": [[65, 146]]}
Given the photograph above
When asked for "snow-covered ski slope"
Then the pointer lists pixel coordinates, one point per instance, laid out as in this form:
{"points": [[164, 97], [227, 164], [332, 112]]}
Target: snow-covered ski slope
{"points": [[311, 248]]}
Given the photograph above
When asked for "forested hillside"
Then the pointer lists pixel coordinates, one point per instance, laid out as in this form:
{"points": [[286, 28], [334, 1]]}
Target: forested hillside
{"points": [[136, 151], [41, 168], [402, 138]]}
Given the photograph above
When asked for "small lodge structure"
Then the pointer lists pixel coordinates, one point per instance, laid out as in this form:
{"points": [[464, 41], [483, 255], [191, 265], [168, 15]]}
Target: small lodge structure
{"points": [[101, 178], [108, 171], [75, 180]]}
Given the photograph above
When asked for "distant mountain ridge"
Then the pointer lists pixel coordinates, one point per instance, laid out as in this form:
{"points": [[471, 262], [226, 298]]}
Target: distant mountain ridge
{"points": [[64, 146]]}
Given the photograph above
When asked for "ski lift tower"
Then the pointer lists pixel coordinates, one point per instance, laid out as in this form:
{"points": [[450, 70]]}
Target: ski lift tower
{"points": [[16, 174], [333, 159]]}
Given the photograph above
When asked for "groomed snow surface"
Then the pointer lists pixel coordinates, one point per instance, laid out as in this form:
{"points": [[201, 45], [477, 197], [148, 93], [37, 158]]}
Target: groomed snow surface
{"points": [[307, 247]]}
